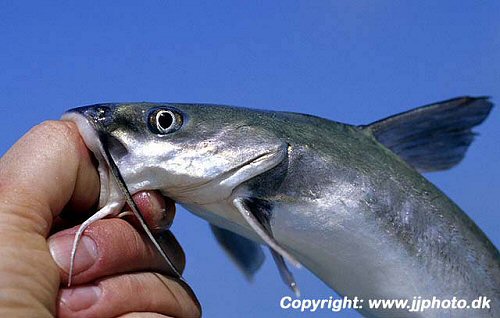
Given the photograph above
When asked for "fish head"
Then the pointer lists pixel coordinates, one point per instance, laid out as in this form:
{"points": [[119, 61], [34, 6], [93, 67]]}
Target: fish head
{"points": [[194, 154]]}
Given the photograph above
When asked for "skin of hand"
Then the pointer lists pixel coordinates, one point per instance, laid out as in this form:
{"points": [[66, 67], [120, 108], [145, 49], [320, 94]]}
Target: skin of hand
{"points": [[48, 181]]}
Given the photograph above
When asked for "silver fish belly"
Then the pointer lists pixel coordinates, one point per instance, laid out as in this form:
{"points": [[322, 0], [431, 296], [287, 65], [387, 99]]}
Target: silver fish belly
{"points": [[347, 202]]}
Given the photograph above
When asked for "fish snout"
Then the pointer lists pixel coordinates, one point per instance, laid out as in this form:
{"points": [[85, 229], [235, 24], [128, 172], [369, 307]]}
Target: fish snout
{"points": [[100, 113], [99, 118]]}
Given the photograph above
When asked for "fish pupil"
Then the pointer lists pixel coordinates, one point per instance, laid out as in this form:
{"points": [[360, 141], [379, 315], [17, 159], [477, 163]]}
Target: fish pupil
{"points": [[165, 120]]}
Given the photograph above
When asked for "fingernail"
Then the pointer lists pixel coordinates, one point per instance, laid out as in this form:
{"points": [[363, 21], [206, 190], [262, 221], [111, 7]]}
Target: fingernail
{"points": [[86, 252], [80, 298]]}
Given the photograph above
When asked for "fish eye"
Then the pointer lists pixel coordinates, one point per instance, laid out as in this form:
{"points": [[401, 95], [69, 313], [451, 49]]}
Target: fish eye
{"points": [[164, 121]]}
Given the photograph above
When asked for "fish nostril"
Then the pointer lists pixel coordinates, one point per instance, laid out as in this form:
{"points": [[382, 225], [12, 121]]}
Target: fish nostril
{"points": [[100, 113]]}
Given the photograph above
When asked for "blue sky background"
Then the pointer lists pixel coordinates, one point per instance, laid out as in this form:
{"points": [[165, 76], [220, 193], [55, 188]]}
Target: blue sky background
{"points": [[351, 61]]}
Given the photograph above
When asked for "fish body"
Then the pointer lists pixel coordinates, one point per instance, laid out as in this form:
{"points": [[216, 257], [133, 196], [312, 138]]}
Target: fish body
{"points": [[347, 202]]}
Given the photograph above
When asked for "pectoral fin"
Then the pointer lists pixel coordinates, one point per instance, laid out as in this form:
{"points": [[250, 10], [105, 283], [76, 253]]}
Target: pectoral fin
{"points": [[285, 273], [247, 255], [261, 229], [256, 213]]}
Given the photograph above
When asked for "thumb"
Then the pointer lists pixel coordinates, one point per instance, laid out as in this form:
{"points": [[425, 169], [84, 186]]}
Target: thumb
{"points": [[47, 168]]}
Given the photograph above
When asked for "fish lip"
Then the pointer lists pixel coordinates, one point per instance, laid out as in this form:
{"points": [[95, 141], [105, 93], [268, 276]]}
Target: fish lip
{"points": [[89, 133]]}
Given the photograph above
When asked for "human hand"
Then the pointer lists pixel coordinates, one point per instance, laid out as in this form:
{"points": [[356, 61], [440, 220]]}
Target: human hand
{"points": [[117, 270]]}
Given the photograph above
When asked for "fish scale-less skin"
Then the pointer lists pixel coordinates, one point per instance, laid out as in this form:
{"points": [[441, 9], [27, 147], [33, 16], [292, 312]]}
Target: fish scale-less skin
{"points": [[443, 253], [350, 210], [356, 180]]}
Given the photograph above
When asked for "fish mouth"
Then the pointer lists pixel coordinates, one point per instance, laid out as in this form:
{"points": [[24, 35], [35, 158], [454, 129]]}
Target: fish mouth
{"points": [[89, 133]]}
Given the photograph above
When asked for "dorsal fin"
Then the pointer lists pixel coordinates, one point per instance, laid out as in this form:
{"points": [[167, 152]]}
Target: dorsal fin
{"points": [[433, 137]]}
